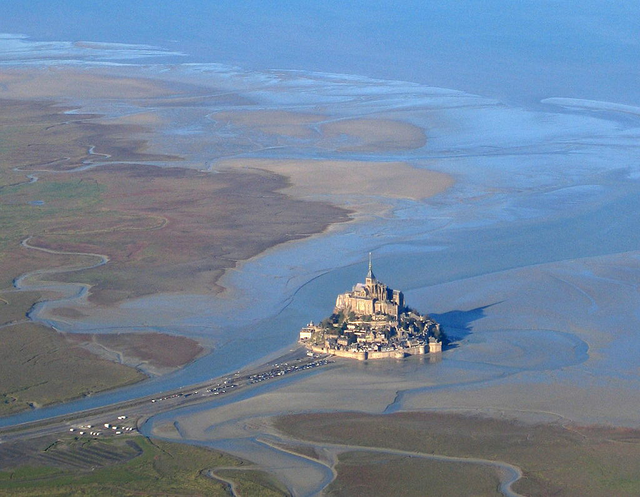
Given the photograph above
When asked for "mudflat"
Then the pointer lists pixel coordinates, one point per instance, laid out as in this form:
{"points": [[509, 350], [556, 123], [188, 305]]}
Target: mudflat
{"points": [[374, 135], [350, 183], [272, 122]]}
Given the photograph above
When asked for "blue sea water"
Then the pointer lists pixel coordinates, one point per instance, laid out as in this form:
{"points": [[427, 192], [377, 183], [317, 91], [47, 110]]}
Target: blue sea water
{"points": [[518, 52]]}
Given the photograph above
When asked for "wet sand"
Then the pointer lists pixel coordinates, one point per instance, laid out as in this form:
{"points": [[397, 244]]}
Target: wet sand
{"points": [[350, 184], [375, 135], [343, 134], [533, 274], [70, 83], [273, 122]]}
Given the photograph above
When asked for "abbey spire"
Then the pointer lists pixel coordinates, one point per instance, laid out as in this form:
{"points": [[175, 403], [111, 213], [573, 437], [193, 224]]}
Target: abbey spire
{"points": [[370, 275]]}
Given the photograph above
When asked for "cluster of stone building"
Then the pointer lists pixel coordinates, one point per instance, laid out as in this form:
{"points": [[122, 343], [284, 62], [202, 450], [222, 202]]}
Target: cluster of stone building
{"points": [[372, 322]]}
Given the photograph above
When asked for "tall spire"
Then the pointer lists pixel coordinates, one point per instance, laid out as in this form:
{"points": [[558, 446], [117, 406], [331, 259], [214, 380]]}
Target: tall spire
{"points": [[370, 273]]}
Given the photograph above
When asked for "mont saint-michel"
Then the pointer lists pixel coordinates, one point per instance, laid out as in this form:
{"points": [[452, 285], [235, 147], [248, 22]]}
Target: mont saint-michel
{"points": [[373, 322]]}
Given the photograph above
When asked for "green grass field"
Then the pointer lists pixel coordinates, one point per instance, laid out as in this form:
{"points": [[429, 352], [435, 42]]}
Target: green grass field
{"points": [[254, 483], [39, 366], [15, 305], [156, 468]]}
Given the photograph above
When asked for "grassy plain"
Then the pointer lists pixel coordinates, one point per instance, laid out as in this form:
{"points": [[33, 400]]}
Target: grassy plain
{"points": [[369, 474], [15, 305], [177, 230], [36, 137], [253, 482], [158, 350], [38, 366], [129, 466], [556, 460]]}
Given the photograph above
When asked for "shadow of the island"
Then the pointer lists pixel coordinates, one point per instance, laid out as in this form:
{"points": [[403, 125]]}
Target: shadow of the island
{"points": [[457, 324]]}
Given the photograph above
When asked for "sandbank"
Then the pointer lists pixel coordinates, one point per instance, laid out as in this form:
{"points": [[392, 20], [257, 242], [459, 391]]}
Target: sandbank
{"points": [[348, 183], [374, 135], [140, 118], [343, 135], [272, 122], [78, 84]]}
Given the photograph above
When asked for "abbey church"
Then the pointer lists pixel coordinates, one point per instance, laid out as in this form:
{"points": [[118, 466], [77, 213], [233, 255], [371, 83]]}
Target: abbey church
{"points": [[371, 298]]}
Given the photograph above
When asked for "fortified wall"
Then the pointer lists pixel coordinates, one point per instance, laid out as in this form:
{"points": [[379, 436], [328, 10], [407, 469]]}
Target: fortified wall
{"points": [[363, 355]]}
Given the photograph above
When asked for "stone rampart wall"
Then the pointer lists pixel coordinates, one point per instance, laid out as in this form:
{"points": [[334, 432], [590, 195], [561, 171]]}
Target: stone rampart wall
{"points": [[362, 356]]}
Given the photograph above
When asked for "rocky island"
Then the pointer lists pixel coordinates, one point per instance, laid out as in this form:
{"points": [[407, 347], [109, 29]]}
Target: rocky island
{"points": [[373, 322]]}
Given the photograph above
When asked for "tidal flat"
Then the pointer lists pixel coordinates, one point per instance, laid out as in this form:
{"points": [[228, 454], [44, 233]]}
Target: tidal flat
{"points": [[91, 216], [529, 260], [512, 226]]}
